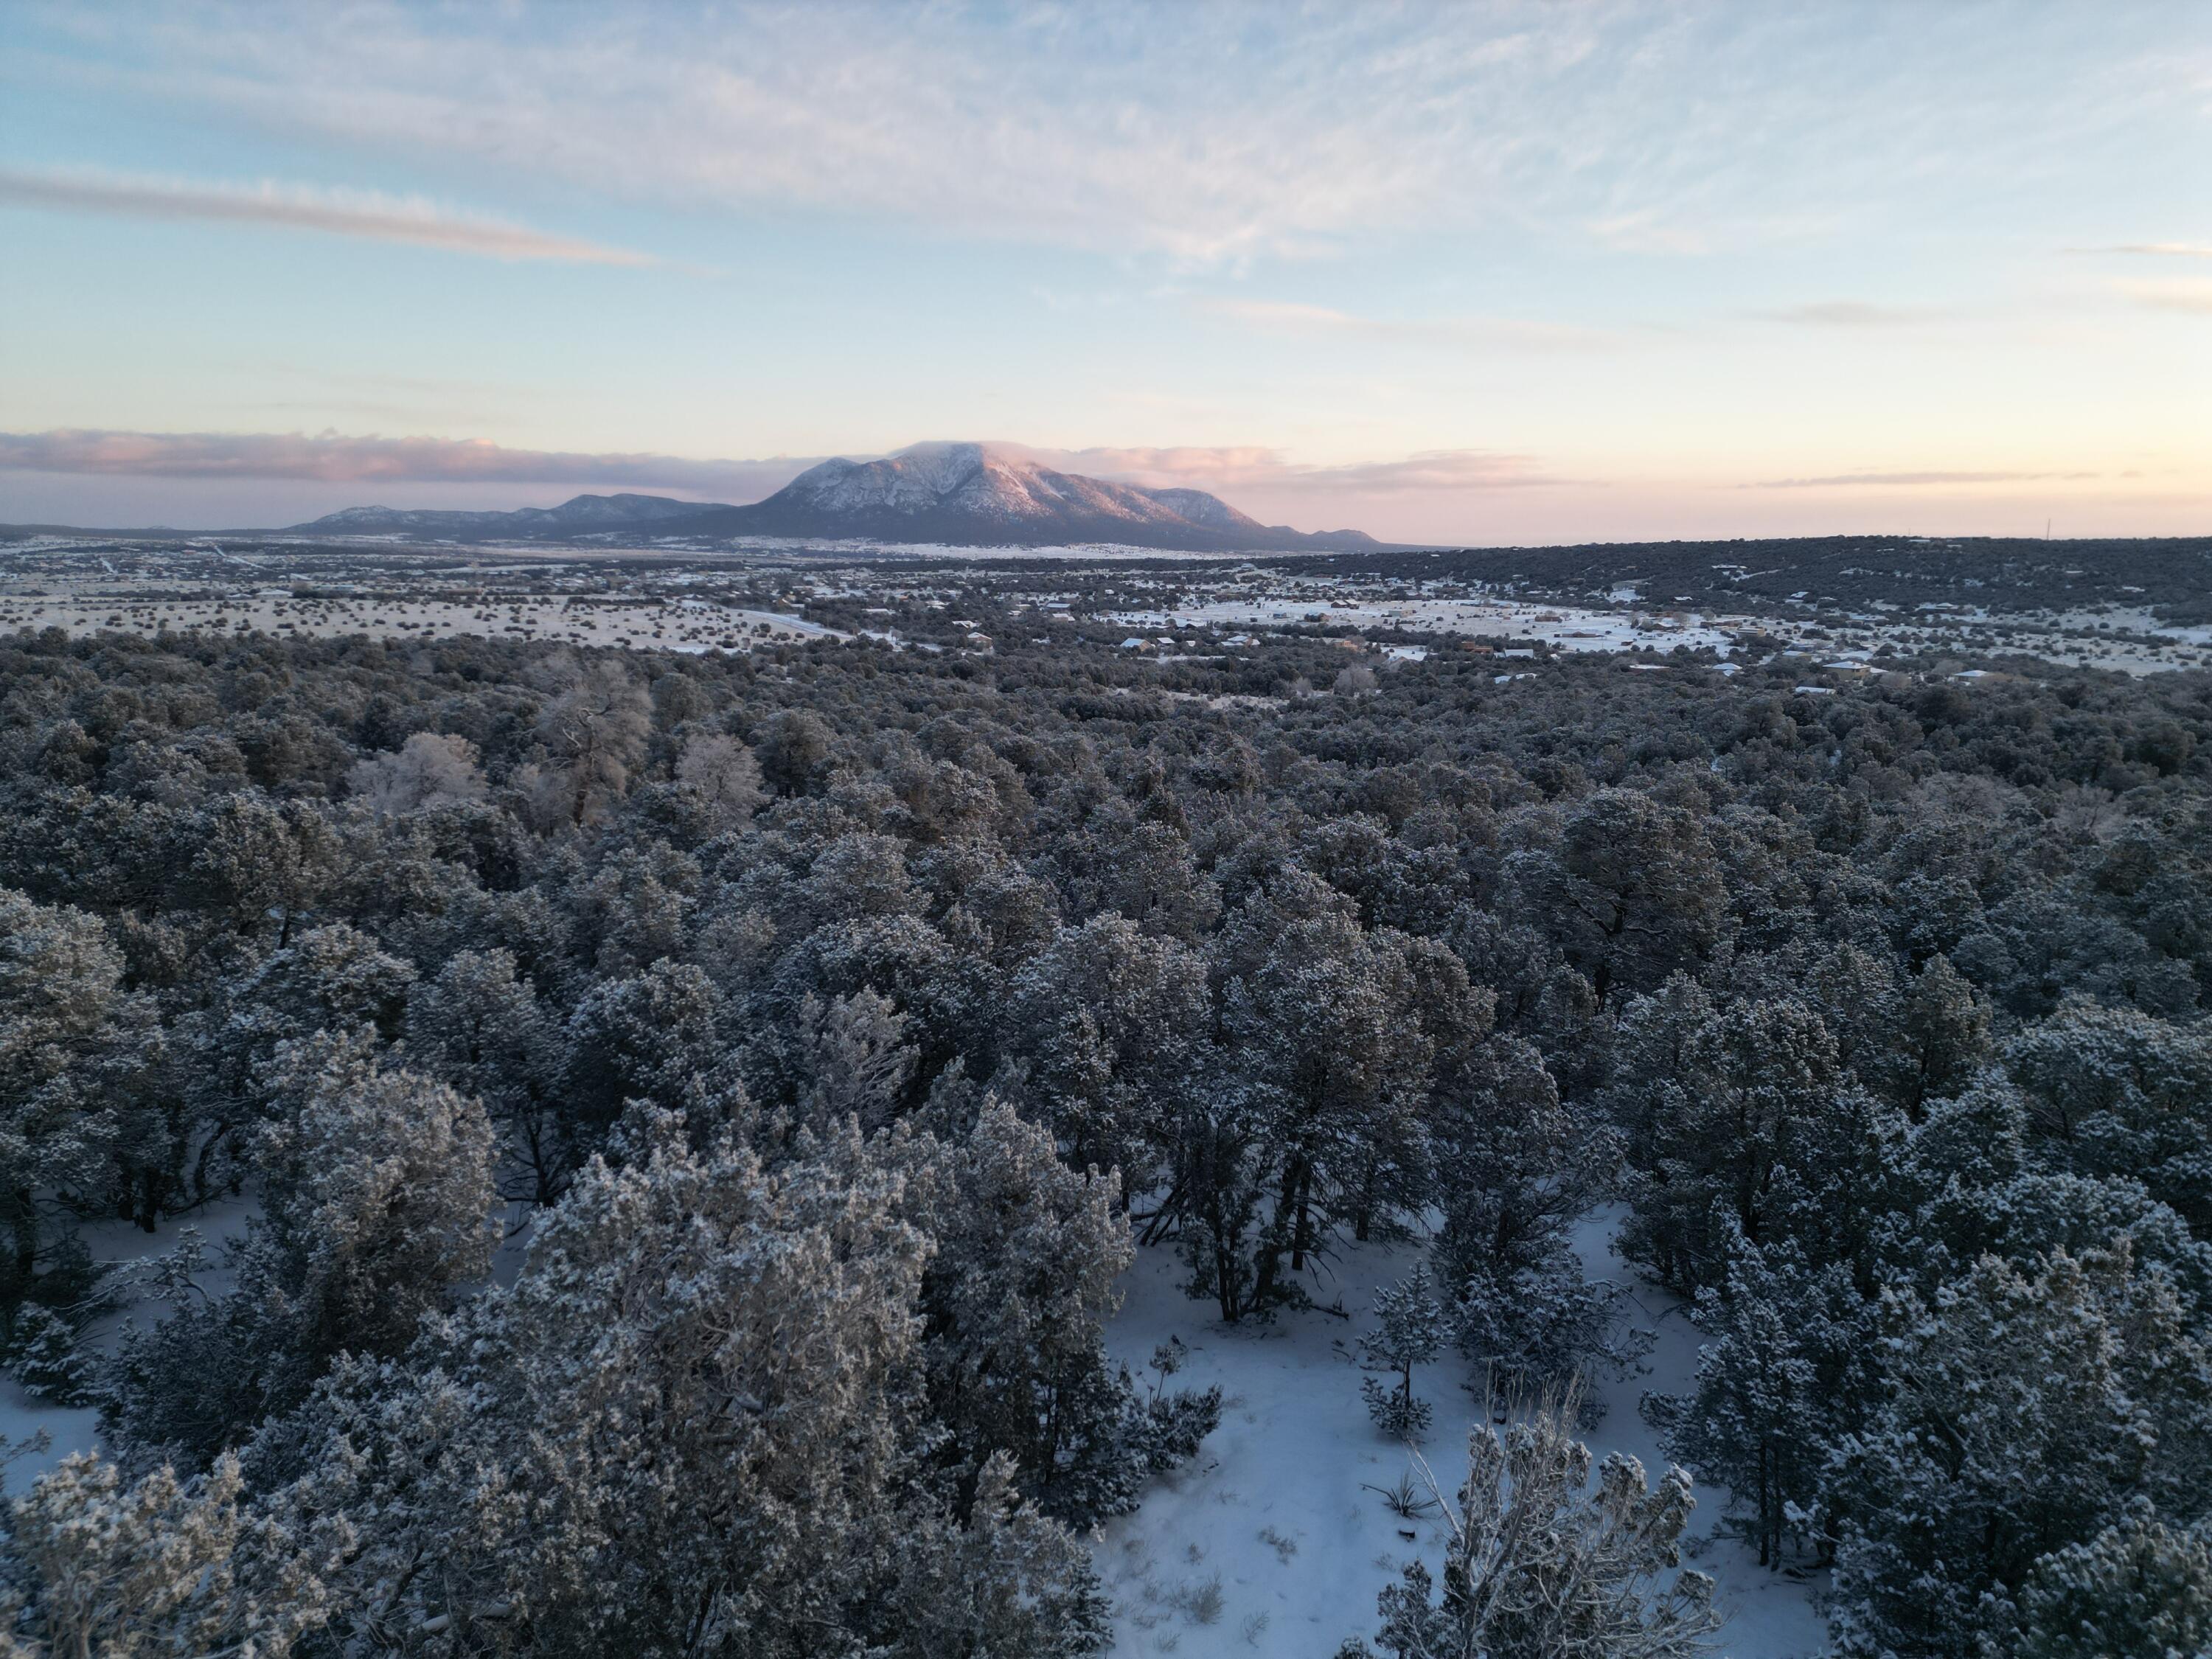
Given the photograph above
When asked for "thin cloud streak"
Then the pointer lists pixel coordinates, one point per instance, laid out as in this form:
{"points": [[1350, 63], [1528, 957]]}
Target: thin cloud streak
{"points": [[1514, 333], [2158, 250], [2185, 293], [331, 458], [369, 215], [1918, 480], [1236, 467], [1854, 314]]}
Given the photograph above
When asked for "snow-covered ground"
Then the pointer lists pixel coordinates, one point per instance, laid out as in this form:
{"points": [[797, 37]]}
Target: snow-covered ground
{"points": [[689, 626], [119, 1242], [1270, 1542], [1566, 628]]}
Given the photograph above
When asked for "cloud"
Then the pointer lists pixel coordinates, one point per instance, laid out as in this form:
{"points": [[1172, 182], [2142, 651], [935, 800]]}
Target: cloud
{"points": [[1854, 314], [366, 214], [1513, 333], [329, 458], [2189, 294], [2156, 250], [1233, 467], [1205, 133], [1916, 480]]}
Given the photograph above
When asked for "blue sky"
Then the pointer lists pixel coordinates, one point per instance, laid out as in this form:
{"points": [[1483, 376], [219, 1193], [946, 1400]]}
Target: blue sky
{"points": [[1512, 272]]}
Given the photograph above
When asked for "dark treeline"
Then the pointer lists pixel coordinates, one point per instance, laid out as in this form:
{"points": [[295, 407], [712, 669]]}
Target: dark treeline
{"points": [[2170, 576], [838, 1020]]}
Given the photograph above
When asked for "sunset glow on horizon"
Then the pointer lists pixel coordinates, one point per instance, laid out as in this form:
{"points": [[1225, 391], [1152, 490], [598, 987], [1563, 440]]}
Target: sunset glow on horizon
{"points": [[1498, 273]]}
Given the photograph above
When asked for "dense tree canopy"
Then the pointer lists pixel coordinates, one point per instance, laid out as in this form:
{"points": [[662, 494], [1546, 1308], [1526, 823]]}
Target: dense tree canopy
{"points": [[825, 1024]]}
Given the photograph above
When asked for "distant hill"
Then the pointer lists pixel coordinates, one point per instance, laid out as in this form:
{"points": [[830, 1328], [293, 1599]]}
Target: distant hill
{"points": [[977, 494], [583, 515], [963, 494]]}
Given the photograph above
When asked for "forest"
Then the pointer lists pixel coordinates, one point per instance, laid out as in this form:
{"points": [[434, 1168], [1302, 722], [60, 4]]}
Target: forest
{"points": [[692, 1111]]}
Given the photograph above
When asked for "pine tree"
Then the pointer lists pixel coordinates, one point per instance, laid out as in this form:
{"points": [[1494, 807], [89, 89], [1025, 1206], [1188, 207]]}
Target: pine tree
{"points": [[1410, 1328], [2140, 1587]]}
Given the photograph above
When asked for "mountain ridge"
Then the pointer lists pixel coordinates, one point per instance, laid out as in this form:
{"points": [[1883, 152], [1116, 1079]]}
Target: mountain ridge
{"points": [[579, 515], [985, 495], [957, 493]]}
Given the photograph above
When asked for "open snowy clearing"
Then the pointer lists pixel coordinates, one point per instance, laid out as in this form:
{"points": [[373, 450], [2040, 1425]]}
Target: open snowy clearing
{"points": [[1565, 628], [1270, 1541]]}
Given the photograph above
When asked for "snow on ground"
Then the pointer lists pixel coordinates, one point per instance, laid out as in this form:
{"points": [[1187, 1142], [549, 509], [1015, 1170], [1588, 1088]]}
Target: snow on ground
{"points": [[689, 627], [1566, 628], [120, 1242], [1268, 1541]]}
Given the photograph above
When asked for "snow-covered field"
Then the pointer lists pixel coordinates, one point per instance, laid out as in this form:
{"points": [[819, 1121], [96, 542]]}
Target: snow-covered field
{"points": [[1566, 628], [687, 625], [1269, 1541]]}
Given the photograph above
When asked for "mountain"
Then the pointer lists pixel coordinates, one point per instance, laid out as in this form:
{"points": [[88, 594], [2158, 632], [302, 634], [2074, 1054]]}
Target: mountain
{"points": [[979, 494], [583, 515]]}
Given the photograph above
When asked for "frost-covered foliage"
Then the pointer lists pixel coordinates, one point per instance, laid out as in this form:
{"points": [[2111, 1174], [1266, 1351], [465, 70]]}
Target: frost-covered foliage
{"points": [[1409, 1329], [1881, 1012], [375, 1186], [1537, 1563], [1016, 1296], [2017, 1410], [2138, 1586], [696, 1422], [93, 1564]]}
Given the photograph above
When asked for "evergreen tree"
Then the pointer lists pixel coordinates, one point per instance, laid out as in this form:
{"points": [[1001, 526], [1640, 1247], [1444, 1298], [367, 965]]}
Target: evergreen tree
{"points": [[1409, 1329], [1536, 1565], [2018, 1413]]}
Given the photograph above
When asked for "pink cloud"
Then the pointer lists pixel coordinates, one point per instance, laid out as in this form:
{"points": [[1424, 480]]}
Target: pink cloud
{"points": [[331, 458]]}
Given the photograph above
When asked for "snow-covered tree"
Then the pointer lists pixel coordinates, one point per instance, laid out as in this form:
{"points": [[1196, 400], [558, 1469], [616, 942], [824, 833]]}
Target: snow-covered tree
{"points": [[2139, 1587], [594, 725], [2020, 1412], [478, 1024], [2117, 1091], [68, 1029], [430, 770], [377, 1200], [1785, 1367], [1409, 1329], [91, 1564], [725, 775], [1016, 1296], [696, 1422], [1537, 1564]]}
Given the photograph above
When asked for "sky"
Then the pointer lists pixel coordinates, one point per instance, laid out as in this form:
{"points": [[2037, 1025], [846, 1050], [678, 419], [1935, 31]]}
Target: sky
{"points": [[1522, 272]]}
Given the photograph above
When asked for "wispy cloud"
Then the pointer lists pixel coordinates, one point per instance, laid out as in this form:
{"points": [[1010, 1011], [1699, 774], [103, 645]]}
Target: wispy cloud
{"points": [[331, 458], [1855, 313], [2155, 250], [2189, 294], [1512, 333], [1232, 467], [367, 214], [1916, 480], [334, 457], [1210, 133]]}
